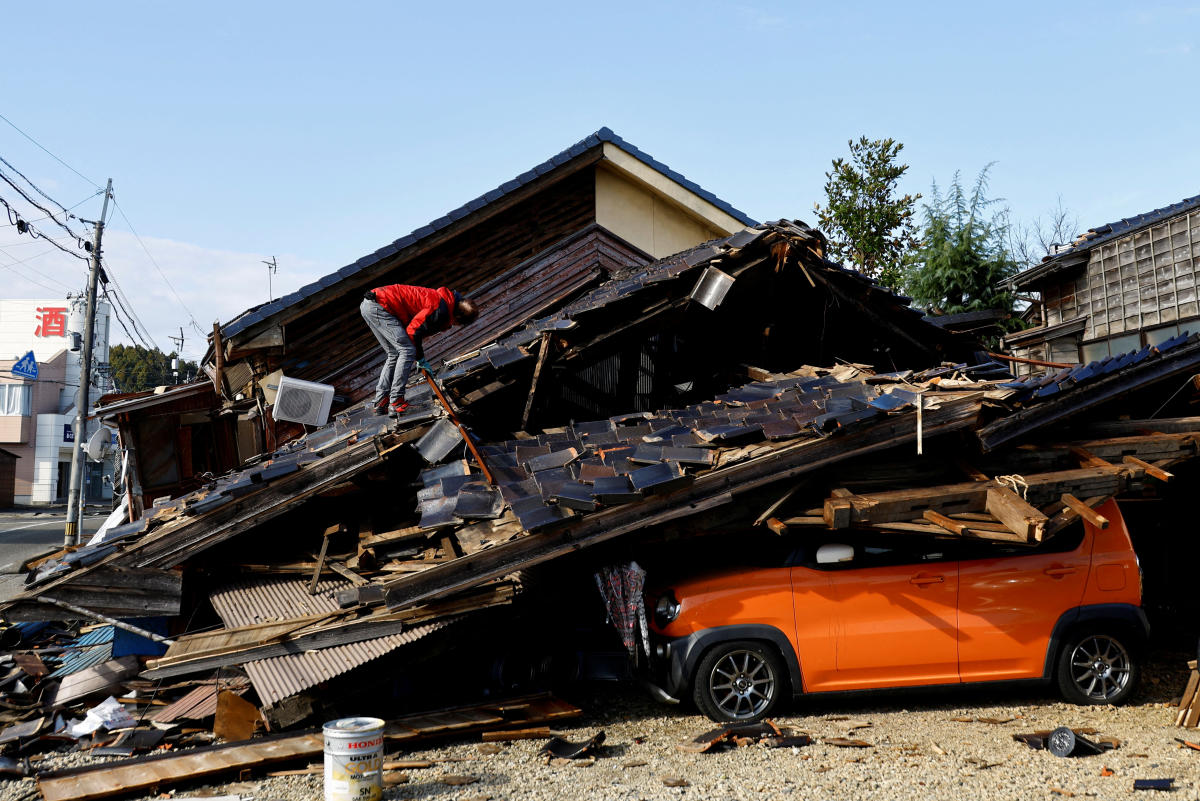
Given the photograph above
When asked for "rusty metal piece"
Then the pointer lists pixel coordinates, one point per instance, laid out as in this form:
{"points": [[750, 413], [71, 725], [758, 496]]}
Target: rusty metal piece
{"points": [[437, 390], [558, 748]]}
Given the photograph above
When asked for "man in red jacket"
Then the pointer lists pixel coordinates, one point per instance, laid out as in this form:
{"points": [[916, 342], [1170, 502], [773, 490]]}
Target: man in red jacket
{"points": [[400, 316]]}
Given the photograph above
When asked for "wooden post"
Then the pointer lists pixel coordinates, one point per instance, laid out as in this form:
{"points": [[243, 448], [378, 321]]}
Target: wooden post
{"points": [[1011, 509], [218, 361], [543, 352], [312, 585], [1083, 510]]}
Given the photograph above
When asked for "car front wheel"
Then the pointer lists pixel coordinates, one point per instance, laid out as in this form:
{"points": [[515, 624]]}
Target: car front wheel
{"points": [[739, 682], [1096, 668]]}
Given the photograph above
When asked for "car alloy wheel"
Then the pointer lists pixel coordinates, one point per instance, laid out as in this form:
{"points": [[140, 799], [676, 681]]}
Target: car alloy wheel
{"points": [[1100, 668], [742, 684]]}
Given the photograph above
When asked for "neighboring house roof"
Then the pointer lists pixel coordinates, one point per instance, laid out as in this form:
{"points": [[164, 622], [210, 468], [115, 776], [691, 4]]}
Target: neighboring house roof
{"points": [[605, 135], [8, 454], [1077, 253]]}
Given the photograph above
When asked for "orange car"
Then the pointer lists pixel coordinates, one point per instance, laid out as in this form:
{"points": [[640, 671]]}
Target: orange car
{"points": [[862, 611]]}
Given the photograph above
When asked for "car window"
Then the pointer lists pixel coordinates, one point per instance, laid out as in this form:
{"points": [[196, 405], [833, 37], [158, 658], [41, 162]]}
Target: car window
{"points": [[876, 551], [1069, 539]]}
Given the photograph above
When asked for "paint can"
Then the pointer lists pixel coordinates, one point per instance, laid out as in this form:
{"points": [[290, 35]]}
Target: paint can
{"points": [[354, 759]]}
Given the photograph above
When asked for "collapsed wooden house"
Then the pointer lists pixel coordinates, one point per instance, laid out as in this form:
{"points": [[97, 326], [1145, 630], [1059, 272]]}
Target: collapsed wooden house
{"points": [[671, 402]]}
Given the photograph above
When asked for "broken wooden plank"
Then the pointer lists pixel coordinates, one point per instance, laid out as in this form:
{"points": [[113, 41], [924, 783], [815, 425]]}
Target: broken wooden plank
{"points": [[1087, 458], [1083, 510], [977, 530], [163, 770], [1013, 511], [943, 522], [776, 525], [1151, 470], [543, 352], [316, 576], [535, 733], [1068, 515]]}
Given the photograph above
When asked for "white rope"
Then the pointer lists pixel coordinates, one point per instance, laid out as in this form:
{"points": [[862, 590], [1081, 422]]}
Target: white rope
{"points": [[1017, 484]]}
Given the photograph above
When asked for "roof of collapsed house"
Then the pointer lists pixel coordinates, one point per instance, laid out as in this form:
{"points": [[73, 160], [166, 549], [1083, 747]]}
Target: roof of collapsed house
{"points": [[465, 541], [578, 150]]}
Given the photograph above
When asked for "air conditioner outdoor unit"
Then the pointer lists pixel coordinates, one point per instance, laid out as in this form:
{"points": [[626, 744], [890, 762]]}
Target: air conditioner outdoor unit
{"points": [[303, 401]]}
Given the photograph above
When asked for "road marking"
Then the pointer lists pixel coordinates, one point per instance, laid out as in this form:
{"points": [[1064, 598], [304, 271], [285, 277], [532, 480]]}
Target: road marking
{"points": [[32, 525]]}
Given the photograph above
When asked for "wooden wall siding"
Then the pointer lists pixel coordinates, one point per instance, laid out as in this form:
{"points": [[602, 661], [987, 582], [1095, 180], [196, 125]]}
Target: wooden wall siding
{"points": [[328, 345], [1145, 280]]}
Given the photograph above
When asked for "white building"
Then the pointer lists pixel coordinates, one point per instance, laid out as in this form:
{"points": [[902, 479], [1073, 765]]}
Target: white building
{"points": [[37, 418]]}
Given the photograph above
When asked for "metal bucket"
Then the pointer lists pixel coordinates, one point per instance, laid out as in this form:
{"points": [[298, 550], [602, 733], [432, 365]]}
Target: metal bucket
{"points": [[354, 759]]}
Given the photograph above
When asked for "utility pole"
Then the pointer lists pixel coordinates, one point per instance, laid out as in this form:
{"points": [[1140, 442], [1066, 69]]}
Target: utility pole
{"points": [[178, 350], [75, 501], [272, 268]]}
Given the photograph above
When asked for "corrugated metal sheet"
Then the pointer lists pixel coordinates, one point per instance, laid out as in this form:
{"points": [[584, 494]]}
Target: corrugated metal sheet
{"points": [[200, 703], [92, 648], [283, 676], [245, 603], [249, 602]]}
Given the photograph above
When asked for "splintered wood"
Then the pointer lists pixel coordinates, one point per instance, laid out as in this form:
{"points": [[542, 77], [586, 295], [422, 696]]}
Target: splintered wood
{"points": [[1189, 705], [1011, 508]]}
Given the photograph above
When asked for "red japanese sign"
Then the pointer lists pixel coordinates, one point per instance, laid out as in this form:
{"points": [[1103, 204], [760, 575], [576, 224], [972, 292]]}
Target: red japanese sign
{"points": [[52, 322]]}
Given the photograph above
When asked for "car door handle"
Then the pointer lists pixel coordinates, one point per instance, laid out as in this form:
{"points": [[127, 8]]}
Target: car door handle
{"points": [[1059, 572], [923, 580]]}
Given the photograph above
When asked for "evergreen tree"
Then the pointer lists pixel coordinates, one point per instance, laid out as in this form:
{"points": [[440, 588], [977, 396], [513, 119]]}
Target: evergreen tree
{"points": [[135, 368], [869, 225], [964, 256]]}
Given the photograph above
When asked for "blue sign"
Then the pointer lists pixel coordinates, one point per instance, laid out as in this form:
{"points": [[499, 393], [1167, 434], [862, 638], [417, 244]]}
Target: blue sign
{"points": [[26, 367], [68, 434]]}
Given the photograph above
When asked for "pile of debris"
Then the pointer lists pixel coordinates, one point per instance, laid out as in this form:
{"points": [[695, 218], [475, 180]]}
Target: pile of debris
{"points": [[363, 541]]}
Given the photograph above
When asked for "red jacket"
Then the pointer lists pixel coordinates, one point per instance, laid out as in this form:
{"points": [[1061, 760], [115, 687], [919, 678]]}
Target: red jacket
{"points": [[423, 310]]}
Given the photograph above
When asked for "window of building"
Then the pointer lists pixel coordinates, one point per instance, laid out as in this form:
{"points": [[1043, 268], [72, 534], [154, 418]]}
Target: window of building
{"points": [[16, 399]]}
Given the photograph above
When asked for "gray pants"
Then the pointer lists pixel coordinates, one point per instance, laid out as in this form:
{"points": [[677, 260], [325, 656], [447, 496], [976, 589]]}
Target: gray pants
{"points": [[399, 348]]}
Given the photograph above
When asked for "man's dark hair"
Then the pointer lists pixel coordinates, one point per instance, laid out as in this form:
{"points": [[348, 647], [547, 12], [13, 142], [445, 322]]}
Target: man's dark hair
{"points": [[465, 311]]}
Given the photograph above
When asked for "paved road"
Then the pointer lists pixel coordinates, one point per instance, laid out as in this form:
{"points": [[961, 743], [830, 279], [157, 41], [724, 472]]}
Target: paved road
{"points": [[27, 534]]}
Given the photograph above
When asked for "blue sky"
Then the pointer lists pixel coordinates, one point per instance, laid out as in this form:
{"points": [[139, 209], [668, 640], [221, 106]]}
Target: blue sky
{"points": [[317, 132]]}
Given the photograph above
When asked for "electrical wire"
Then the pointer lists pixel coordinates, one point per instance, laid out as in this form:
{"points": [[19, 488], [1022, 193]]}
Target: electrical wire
{"points": [[124, 327], [166, 280], [69, 208], [126, 305], [118, 303], [66, 212], [51, 155], [39, 206], [14, 217]]}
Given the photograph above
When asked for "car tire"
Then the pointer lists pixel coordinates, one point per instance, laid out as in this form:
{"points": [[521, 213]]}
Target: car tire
{"points": [[741, 681], [1097, 667]]}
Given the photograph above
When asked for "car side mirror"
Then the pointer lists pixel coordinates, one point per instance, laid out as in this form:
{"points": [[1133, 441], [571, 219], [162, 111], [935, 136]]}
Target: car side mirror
{"points": [[835, 552]]}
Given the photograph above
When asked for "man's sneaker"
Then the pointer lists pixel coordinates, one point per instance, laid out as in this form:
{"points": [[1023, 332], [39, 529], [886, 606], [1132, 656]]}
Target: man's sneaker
{"points": [[398, 408], [381, 407]]}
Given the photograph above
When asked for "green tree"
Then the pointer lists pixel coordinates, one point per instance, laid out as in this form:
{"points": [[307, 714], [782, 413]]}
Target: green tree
{"points": [[135, 368], [868, 223], [964, 256]]}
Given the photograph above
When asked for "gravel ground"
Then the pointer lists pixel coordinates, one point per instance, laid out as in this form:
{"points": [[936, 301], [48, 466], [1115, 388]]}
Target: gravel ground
{"points": [[917, 751]]}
